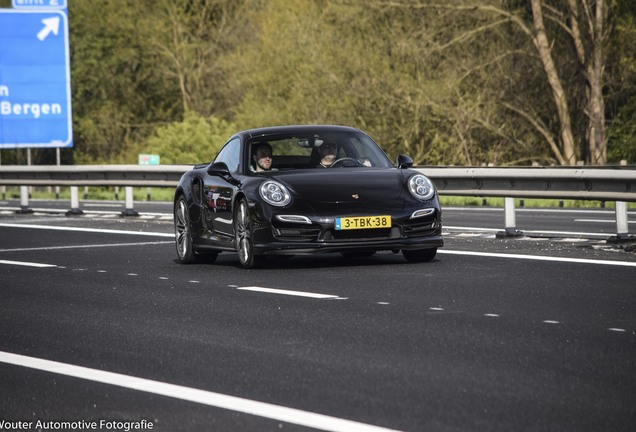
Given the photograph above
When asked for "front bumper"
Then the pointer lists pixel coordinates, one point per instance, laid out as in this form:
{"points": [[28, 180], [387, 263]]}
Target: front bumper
{"points": [[317, 234], [279, 248]]}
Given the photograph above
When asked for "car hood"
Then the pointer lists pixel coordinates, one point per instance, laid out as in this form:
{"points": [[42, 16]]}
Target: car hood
{"points": [[345, 185]]}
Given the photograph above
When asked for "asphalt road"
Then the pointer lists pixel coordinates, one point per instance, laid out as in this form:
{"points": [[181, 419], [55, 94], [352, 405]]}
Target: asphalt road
{"points": [[532, 334]]}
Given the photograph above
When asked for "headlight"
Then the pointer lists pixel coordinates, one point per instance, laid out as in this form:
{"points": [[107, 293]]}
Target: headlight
{"points": [[275, 193], [421, 187]]}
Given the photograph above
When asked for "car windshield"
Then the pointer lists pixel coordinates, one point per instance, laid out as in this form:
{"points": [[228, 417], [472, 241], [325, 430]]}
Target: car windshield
{"points": [[315, 150]]}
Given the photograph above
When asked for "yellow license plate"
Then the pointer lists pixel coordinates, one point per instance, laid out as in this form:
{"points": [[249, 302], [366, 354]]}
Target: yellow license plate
{"points": [[363, 222]]}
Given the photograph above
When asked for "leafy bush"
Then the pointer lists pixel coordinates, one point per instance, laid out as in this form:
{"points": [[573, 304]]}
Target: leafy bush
{"points": [[193, 140]]}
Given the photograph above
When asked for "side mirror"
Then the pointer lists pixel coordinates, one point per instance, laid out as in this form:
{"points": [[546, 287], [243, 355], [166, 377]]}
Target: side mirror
{"points": [[403, 161], [219, 169]]}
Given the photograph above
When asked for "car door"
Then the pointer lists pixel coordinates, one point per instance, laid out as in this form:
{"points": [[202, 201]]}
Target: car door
{"points": [[219, 193]]}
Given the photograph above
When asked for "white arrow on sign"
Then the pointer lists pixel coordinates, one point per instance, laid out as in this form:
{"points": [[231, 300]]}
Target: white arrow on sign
{"points": [[50, 25]]}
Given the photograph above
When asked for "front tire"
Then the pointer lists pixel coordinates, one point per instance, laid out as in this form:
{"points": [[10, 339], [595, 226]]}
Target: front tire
{"points": [[419, 255], [244, 235]]}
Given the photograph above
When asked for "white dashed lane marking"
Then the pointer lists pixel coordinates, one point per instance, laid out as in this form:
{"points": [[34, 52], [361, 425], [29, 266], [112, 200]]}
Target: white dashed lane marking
{"points": [[278, 291], [275, 290], [26, 264], [320, 296], [287, 292]]}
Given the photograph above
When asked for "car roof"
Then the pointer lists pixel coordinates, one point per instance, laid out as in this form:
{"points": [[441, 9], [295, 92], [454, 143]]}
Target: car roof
{"points": [[295, 128]]}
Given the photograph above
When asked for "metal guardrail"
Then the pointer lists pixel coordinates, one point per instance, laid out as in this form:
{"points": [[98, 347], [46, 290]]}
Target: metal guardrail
{"points": [[93, 175], [579, 183], [128, 176], [598, 184], [594, 184]]}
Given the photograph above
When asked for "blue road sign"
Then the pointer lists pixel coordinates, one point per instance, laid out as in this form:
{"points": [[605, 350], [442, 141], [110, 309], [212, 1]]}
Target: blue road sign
{"points": [[35, 79], [40, 4]]}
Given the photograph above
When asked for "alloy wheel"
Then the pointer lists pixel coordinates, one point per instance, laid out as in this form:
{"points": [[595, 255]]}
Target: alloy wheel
{"points": [[183, 238]]}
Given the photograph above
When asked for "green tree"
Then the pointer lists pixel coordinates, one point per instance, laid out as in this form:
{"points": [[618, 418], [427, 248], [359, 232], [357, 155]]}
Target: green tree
{"points": [[466, 82], [188, 40], [117, 95], [420, 80], [622, 84]]}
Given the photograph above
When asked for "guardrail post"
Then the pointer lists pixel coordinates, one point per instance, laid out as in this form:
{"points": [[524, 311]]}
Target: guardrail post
{"points": [[24, 200], [129, 211], [622, 228], [75, 208], [511, 220]]}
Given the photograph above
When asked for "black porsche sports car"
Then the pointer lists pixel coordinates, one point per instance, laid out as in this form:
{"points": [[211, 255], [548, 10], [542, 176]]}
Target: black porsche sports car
{"points": [[293, 190]]}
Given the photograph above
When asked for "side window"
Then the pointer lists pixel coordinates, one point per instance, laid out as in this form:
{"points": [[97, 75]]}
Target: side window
{"points": [[231, 155]]}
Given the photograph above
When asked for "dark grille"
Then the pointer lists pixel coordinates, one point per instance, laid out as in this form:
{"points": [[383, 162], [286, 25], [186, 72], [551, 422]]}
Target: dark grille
{"points": [[296, 233], [362, 234], [421, 229]]}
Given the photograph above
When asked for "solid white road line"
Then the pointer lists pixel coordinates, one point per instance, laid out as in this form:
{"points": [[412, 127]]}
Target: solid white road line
{"points": [[608, 221], [85, 246], [539, 258], [286, 292], [27, 264], [233, 403], [559, 233], [10, 210], [536, 210], [93, 230]]}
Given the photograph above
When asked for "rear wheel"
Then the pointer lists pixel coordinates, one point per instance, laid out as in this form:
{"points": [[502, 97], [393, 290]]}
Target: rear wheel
{"points": [[419, 255], [245, 236], [183, 236]]}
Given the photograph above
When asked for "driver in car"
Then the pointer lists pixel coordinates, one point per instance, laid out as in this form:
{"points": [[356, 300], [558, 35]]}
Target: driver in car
{"points": [[328, 155], [327, 152]]}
